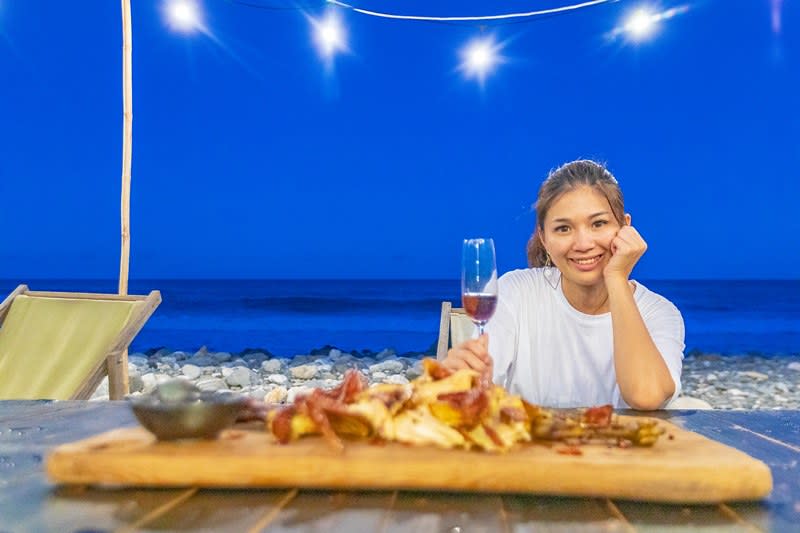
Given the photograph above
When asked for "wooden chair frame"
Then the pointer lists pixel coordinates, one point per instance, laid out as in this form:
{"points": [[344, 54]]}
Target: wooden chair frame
{"points": [[115, 364], [444, 328]]}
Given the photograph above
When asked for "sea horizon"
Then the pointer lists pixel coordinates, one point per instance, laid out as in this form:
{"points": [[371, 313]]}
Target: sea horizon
{"points": [[361, 278], [287, 317]]}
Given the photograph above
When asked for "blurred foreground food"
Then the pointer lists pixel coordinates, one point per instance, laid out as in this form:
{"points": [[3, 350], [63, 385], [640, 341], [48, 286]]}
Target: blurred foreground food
{"points": [[449, 410]]}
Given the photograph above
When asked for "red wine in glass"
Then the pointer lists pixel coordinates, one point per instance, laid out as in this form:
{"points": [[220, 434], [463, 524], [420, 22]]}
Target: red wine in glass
{"points": [[479, 280], [479, 306]]}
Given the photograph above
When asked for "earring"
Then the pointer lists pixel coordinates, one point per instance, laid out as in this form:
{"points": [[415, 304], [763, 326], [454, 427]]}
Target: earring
{"points": [[551, 274]]}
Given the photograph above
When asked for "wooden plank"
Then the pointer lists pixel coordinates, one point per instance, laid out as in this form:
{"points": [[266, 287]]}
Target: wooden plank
{"points": [[783, 425], [776, 425], [92, 381], [28, 502], [117, 359], [14, 409], [444, 331], [658, 516], [6, 304], [757, 516], [86, 296], [686, 468], [448, 512], [79, 413], [218, 510], [30, 432], [757, 433], [541, 513], [779, 455], [331, 511], [36, 506]]}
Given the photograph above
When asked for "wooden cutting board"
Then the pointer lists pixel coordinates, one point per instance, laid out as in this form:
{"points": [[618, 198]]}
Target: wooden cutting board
{"points": [[687, 468]]}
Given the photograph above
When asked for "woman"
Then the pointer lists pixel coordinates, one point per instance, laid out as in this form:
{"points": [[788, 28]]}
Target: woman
{"points": [[573, 330]]}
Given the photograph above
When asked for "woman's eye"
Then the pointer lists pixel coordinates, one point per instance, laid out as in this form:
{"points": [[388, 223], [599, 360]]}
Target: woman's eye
{"points": [[562, 229], [600, 223]]}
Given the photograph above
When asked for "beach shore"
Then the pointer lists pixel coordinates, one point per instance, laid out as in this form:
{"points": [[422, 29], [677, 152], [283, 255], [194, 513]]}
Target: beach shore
{"points": [[723, 381]]}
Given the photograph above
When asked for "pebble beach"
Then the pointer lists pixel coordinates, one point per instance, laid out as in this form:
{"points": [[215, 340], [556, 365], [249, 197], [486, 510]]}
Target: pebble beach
{"points": [[723, 381]]}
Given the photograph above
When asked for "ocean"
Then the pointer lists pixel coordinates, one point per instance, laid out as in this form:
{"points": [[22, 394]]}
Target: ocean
{"points": [[289, 317]]}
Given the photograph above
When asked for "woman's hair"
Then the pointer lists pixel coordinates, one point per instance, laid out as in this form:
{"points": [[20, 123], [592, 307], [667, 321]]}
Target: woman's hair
{"points": [[568, 177]]}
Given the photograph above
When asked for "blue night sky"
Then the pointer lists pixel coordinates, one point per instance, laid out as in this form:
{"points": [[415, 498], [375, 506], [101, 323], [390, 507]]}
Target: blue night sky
{"points": [[252, 160]]}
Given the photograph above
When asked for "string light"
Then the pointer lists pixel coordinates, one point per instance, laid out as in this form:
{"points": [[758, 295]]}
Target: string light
{"points": [[643, 23], [330, 36], [640, 24], [480, 57], [184, 15], [775, 15]]}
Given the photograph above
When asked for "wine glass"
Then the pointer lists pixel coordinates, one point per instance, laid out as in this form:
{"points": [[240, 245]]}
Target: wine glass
{"points": [[479, 280]]}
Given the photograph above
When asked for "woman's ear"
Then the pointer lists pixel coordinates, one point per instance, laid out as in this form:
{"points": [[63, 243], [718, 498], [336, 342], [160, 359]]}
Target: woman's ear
{"points": [[627, 219]]}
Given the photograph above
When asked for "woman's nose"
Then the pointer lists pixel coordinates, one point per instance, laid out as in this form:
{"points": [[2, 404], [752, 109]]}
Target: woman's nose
{"points": [[584, 240]]}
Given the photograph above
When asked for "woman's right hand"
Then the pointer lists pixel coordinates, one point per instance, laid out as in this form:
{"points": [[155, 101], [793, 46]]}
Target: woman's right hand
{"points": [[473, 353]]}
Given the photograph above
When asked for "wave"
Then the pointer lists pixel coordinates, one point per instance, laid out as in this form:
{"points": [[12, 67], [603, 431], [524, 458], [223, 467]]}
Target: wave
{"points": [[341, 305]]}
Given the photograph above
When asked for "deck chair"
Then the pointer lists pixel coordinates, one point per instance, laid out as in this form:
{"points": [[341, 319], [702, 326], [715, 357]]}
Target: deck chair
{"points": [[60, 345], [455, 326]]}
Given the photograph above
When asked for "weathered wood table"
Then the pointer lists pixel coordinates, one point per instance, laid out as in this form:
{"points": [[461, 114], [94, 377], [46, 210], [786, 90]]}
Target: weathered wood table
{"points": [[28, 502]]}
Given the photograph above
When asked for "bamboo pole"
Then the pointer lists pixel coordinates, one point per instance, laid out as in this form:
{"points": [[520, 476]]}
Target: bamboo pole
{"points": [[127, 137], [118, 384]]}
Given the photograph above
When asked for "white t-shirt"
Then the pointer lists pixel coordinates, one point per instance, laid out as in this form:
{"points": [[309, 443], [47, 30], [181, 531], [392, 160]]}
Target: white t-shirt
{"points": [[551, 354]]}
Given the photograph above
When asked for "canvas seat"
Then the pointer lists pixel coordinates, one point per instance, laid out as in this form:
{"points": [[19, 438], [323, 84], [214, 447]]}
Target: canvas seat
{"points": [[60, 345], [455, 326]]}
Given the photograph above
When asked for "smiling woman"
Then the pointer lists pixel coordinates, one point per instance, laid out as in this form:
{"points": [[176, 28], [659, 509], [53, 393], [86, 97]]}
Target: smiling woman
{"points": [[573, 330]]}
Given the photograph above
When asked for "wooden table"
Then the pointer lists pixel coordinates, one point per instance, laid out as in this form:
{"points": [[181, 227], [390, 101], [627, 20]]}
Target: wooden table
{"points": [[28, 502]]}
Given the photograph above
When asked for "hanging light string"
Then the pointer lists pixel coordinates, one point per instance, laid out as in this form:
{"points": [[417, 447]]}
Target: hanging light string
{"points": [[505, 16], [480, 57], [272, 7]]}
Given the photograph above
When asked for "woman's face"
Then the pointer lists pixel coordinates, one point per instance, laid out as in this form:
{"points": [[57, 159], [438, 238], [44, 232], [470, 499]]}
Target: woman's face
{"points": [[578, 230]]}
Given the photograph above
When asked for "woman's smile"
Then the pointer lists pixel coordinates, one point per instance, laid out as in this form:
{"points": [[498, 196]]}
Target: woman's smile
{"points": [[586, 264]]}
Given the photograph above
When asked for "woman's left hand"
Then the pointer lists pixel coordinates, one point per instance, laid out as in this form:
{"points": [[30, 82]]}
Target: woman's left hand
{"points": [[626, 249]]}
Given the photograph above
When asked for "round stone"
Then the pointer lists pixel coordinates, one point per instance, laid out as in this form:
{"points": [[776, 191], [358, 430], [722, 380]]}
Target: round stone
{"points": [[383, 354], [393, 366], [221, 357], [303, 371], [239, 376], [136, 384], [271, 366], [191, 371], [211, 384], [139, 360], [278, 379]]}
